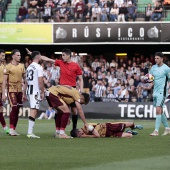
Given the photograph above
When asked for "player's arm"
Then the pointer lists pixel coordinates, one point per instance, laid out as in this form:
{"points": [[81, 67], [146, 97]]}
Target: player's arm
{"points": [[168, 74], [150, 86], [42, 57], [94, 134], [24, 77], [41, 86], [47, 59], [89, 136], [24, 97], [4, 83], [25, 85], [80, 77], [81, 113]]}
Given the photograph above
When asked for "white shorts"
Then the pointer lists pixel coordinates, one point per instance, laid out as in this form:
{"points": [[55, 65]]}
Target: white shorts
{"points": [[34, 100]]}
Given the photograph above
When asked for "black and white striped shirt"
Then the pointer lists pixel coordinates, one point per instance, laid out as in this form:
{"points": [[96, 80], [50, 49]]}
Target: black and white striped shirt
{"points": [[99, 90]]}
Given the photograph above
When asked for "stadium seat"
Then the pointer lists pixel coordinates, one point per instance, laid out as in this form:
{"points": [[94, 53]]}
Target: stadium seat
{"points": [[12, 11]]}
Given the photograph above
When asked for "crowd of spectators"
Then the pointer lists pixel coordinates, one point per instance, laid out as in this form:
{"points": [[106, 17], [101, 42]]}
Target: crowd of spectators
{"points": [[154, 13], [85, 10], [118, 80]]}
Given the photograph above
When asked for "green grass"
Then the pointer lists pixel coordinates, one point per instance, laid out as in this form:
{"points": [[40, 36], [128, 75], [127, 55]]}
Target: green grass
{"points": [[141, 152]]}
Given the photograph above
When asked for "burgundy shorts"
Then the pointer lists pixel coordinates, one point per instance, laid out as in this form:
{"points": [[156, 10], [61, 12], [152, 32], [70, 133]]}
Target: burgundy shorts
{"points": [[115, 130], [54, 101], [15, 98], [1, 104]]}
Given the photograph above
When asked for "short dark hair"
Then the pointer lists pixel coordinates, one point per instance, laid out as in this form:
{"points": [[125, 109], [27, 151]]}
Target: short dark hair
{"points": [[34, 54], [160, 54], [67, 51], [2, 51], [73, 133], [86, 97], [14, 51]]}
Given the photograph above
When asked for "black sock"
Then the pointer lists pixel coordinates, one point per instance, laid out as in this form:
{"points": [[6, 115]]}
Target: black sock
{"points": [[31, 118], [74, 120]]}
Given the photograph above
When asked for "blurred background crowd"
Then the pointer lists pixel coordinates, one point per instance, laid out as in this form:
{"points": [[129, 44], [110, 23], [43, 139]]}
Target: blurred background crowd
{"points": [[120, 79], [84, 10]]}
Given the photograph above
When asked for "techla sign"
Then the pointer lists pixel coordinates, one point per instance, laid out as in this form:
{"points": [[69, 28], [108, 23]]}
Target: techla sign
{"points": [[139, 111]]}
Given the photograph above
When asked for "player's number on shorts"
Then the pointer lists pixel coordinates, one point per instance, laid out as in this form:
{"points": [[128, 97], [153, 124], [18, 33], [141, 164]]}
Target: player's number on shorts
{"points": [[30, 75]]}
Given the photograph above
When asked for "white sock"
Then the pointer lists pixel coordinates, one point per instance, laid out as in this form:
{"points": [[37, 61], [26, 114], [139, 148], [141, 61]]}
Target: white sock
{"points": [[5, 128], [57, 131], [62, 132], [30, 126]]}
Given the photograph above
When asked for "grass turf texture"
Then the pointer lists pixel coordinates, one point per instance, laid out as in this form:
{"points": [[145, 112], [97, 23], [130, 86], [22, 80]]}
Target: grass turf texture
{"points": [[142, 152]]}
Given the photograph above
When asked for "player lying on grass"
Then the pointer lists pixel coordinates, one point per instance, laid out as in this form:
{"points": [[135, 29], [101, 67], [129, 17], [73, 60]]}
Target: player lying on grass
{"points": [[109, 129], [59, 97]]}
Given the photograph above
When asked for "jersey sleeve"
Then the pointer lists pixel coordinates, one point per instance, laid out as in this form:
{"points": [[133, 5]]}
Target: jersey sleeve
{"points": [[23, 69], [168, 73], [6, 70], [40, 72], [57, 62], [79, 70]]}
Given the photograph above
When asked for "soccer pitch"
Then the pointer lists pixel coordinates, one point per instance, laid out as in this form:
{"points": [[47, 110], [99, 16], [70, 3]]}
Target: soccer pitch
{"points": [[141, 152]]}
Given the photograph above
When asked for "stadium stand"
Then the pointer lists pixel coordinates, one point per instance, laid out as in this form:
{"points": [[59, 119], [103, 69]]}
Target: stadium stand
{"points": [[10, 11]]}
